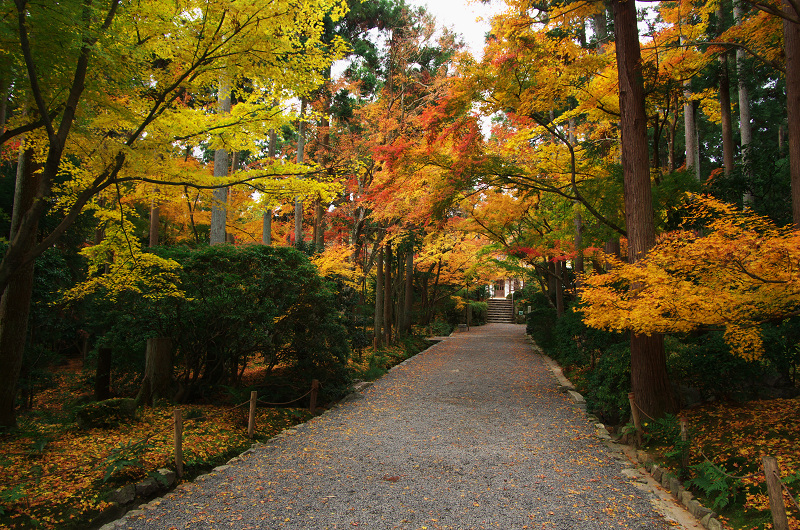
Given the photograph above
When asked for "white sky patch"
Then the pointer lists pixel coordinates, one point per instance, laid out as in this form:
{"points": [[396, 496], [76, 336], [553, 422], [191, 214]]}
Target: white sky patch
{"points": [[470, 19]]}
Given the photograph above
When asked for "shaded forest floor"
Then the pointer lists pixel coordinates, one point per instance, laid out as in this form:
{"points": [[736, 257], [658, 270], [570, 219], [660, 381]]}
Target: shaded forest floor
{"points": [[55, 475], [721, 460]]}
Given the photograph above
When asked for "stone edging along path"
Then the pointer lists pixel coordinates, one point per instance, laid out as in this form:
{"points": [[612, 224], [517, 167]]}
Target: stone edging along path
{"points": [[644, 461]]}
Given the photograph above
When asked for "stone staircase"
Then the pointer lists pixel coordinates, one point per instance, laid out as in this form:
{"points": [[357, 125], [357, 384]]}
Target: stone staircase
{"points": [[500, 310]]}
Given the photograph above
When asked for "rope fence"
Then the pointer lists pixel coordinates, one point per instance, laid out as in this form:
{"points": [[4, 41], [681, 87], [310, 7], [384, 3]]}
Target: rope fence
{"points": [[769, 465], [177, 426]]}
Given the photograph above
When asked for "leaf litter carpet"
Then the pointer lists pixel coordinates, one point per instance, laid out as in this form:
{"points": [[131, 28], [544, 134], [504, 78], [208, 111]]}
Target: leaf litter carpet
{"points": [[471, 433]]}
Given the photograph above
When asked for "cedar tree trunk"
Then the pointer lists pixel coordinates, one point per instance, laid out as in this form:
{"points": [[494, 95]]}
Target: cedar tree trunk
{"points": [[649, 380]]}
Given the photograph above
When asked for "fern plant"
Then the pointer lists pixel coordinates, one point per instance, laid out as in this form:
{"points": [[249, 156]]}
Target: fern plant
{"points": [[715, 484]]}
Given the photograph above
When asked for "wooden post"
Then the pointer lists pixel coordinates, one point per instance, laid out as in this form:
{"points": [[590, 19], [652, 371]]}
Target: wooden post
{"points": [[684, 439], [773, 473], [637, 422], [312, 402], [251, 420], [178, 443]]}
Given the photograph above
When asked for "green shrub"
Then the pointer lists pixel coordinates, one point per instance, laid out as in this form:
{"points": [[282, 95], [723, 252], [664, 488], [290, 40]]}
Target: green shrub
{"points": [[541, 321], [479, 312], [576, 344], [108, 413], [608, 384], [240, 302], [701, 361]]}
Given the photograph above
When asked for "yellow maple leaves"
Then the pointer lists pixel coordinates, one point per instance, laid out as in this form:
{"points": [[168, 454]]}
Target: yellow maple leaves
{"points": [[726, 269]]}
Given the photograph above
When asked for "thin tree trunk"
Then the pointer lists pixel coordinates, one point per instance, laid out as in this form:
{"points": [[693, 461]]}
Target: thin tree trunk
{"points": [[319, 225], [387, 295], [154, 220], [377, 341], [725, 100], [559, 281], [649, 379], [158, 372], [15, 302], [745, 128], [673, 125], [102, 380], [221, 163], [266, 224], [409, 297], [298, 201], [791, 39]]}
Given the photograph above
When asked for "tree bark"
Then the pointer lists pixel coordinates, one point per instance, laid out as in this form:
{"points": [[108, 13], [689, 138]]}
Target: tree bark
{"points": [[154, 220], [102, 379], [791, 39], [319, 225], [298, 201], [157, 381], [745, 127], [377, 341], [649, 378], [15, 303], [221, 162], [387, 295], [725, 100], [559, 270], [409, 297]]}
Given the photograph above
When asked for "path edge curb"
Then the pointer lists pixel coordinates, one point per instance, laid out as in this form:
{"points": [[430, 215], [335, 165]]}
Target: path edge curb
{"points": [[663, 476]]}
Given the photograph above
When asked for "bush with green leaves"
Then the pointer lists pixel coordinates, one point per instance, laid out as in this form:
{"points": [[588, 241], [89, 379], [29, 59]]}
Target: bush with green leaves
{"points": [[702, 360], [608, 384], [240, 302], [479, 312], [541, 320], [576, 344]]}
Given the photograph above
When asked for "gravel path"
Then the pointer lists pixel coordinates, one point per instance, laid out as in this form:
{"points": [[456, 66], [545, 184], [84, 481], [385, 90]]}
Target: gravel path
{"points": [[472, 433]]}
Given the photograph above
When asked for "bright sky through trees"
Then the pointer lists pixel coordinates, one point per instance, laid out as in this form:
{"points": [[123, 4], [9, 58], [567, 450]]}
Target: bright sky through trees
{"points": [[462, 17]]}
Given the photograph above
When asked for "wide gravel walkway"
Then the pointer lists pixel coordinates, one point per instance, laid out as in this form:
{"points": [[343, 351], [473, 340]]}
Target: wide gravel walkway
{"points": [[472, 433]]}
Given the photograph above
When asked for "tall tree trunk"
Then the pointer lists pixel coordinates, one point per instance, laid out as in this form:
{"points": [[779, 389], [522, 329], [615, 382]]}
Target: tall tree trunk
{"points": [[157, 381], [745, 128], [559, 281], [154, 220], [266, 224], [15, 302], [649, 379], [791, 39], [409, 297], [577, 219], [387, 295], [319, 225], [725, 100], [221, 162], [377, 341], [690, 131], [298, 201], [102, 379], [673, 125]]}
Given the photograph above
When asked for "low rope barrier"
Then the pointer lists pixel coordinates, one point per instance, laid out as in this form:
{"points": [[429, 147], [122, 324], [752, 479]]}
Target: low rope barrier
{"points": [[116, 453], [769, 467]]}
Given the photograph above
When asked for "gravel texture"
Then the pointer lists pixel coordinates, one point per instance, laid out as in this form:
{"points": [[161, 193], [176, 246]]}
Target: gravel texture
{"points": [[472, 433]]}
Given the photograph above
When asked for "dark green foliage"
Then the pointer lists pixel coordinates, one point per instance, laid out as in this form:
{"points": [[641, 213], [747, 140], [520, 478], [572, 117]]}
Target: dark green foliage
{"points": [[541, 320], [479, 312], [108, 413], [704, 360], [579, 345], [241, 302], [53, 332], [608, 384], [715, 484]]}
